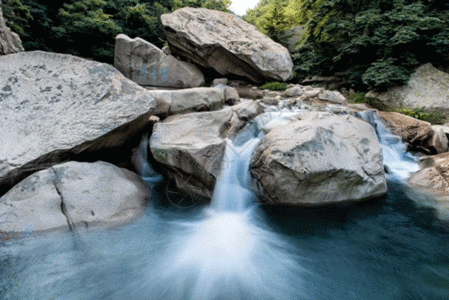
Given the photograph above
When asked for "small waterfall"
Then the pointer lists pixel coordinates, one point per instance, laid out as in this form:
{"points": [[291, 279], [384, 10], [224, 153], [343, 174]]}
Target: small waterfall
{"points": [[218, 255], [139, 159], [400, 162]]}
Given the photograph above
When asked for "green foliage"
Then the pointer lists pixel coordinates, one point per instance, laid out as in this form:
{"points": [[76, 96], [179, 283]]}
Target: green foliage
{"points": [[274, 86], [357, 98], [421, 114], [377, 44], [88, 27]]}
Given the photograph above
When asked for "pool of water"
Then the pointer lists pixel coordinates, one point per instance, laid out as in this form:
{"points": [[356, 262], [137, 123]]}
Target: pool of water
{"points": [[384, 249]]}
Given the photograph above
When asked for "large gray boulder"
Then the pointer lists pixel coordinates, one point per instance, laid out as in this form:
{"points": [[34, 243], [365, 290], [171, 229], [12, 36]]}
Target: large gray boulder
{"points": [[9, 41], [55, 108], [192, 146], [74, 195], [319, 158], [147, 65], [427, 88], [227, 44], [52, 102]]}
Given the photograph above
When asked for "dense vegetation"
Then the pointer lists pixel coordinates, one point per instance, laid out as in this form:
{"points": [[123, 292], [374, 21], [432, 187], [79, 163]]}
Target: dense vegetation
{"points": [[374, 43], [88, 27]]}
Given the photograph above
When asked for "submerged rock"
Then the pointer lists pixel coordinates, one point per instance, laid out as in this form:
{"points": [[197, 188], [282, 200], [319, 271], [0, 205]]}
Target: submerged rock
{"points": [[147, 65], [74, 195], [227, 44], [433, 180], [192, 146], [319, 158]]}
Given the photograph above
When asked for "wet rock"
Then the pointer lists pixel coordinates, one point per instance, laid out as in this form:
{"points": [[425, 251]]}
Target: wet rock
{"points": [[319, 158], [191, 146], [418, 134]]}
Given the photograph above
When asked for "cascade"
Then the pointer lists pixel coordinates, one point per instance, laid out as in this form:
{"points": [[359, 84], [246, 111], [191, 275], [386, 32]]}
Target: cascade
{"points": [[400, 162]]}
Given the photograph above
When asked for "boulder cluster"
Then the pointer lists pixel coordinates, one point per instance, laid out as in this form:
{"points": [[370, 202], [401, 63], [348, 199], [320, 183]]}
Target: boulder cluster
{"points": [[71, 141]]}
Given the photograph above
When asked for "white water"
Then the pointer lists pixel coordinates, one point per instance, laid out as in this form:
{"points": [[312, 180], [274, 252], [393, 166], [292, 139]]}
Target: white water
{"points": [[228, 253], [400, 162]]}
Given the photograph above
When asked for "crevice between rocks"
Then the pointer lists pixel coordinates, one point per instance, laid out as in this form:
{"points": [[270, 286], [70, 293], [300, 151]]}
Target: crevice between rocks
{"points": [[64, 210]]}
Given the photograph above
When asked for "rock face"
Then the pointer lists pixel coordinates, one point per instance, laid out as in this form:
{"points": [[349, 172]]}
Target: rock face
{"points": [[427, 87], [418, 134], [9, 41], [319, 158], [192, 145], [227, 44], [55, 108], [147, 65], [75, 195], [54, 102]]}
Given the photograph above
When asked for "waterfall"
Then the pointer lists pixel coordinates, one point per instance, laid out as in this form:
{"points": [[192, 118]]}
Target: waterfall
{"points": [[399, 162], [139, 159], [218, 255]]}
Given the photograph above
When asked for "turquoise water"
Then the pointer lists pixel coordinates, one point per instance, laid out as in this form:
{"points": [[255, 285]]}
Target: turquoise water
{"points": [[385, 249]]}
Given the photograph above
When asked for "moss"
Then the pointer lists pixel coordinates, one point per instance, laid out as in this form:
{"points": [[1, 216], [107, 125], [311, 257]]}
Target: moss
{"points": [[274, 86], [358, 98], [421, 114]]}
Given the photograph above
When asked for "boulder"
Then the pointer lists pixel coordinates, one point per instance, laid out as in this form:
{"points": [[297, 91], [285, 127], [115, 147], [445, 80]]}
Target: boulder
{"points": [[427, 88], [294, 91], [433, 180], [231, 96], [418, 134], [9, 41], [75, 195], [55, 108], [332, 97], [188, 100], [191, 146], [319, 158], [227, 44], [147, 65], [218, 81]]}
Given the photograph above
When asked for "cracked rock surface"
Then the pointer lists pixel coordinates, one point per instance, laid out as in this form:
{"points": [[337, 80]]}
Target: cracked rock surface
{"points": [[74, 195], [227, 44], [318, 158]]}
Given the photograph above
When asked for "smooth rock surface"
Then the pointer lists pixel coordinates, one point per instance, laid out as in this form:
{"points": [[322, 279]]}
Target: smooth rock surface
{"points": [[332, 97], [147, 65], [427, 88], [418, 134], [294, 91], [74, 195], [319, 158], [227, 44], [192, 146]]}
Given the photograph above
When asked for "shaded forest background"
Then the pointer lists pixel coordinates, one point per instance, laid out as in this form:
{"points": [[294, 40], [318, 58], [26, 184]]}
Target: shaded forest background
{"points": [[371, 43]]}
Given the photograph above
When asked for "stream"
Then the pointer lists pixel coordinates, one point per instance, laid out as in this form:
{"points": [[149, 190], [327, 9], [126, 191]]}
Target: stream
{"points": [[234, 248]]}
